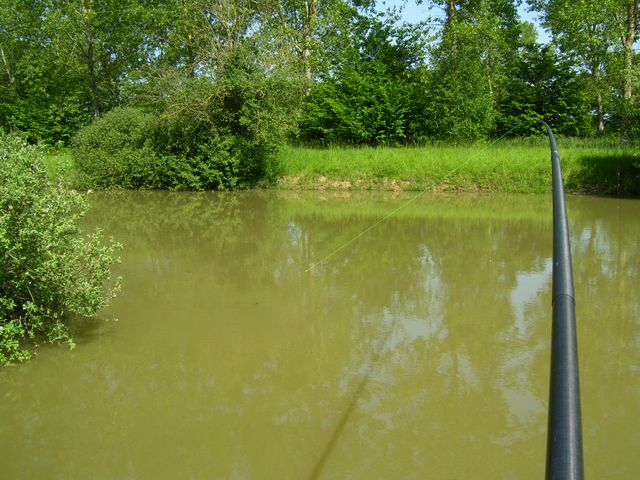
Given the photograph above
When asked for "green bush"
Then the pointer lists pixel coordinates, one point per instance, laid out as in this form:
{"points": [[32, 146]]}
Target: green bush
{"points": [[117, 151], [204, 135], [364, 106], [48, 268], [226, 132]]}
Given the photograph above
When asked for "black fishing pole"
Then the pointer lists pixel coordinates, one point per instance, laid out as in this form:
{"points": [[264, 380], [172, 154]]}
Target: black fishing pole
{"points": [[564, 434]]}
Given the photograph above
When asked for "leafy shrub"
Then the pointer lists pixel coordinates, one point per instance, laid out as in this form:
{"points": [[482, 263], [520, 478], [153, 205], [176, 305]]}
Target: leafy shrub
{"points": [[227, 131], [48, 269], [203, 136], [117, 150]]}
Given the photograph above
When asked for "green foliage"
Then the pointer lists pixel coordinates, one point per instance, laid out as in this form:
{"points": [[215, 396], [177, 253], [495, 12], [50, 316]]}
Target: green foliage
{"points": [[373, 93], [543, 86], [203, 136], [230, 129], [39, 106], [363, 106], [116, 150], [39, 94], [600, 35], [64, 62], [48, 269], [369, 80], [476, 47], [461, 106]]}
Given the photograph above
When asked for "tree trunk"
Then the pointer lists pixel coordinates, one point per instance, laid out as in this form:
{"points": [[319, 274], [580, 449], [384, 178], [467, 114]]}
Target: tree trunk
{"points": [[10, 75], [595, 73], [311, 14], [85, 16], [449, 31], [451, 12], [600, 113], [628, 39], [93, 81]]}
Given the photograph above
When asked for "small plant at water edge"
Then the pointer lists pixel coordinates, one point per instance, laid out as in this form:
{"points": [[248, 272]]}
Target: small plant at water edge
{"points": [[48, 268]]}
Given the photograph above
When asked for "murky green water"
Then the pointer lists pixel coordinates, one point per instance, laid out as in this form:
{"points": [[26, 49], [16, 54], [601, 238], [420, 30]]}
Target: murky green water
{"points": [[419, 350]]}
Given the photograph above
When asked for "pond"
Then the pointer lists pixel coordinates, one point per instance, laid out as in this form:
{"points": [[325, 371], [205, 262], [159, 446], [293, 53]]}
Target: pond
{"points": [[324, 335]]}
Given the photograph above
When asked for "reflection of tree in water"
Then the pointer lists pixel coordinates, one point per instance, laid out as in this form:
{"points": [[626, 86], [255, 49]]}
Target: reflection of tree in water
{"points": [[416, 285], [606, 242], [165, 233], [447, 315], [387, 286], [490, 355], [451, 314]]}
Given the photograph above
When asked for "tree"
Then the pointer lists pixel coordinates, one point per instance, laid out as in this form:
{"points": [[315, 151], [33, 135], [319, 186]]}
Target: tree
{"points": [[301, 25], [67, 61], [461, 105], [224, 97], [596, 32], [469, 66], [101, 43], [629, 35], [543, 86], [37, 96], [318, 31], [372, 93]]}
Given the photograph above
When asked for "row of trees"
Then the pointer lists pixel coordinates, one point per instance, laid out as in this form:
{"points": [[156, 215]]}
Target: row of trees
{"points": [[331, 71]]}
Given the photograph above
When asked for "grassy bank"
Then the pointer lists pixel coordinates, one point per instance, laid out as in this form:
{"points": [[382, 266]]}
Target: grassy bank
{"points": [[514, 166], [521, 166]]}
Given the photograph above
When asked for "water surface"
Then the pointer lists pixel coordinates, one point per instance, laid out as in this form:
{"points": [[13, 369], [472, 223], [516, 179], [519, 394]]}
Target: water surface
{"points": [[417, 350]]}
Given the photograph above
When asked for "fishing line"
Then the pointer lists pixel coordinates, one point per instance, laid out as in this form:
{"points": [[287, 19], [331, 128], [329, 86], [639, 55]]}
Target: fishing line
{"points": [[377, 351], [412, 199]]}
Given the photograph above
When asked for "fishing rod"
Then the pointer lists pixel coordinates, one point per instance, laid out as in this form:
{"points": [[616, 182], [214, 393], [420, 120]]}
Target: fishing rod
{"points": [[564, 433]]}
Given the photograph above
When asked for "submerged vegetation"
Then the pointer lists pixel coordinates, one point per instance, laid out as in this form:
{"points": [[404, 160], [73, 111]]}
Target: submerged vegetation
{"points": [[48, 268]]}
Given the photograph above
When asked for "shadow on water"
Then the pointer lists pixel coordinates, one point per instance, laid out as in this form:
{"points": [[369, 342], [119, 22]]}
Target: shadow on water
{"points": [[335, 436], [615, 174], [87, 329], [374, 359]]}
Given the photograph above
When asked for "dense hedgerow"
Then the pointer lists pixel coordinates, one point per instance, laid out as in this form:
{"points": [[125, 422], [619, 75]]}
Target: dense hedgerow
{"points": [[48, 268]]}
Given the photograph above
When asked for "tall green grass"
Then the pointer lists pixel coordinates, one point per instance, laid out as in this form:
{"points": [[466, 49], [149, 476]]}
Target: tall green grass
{"points": [[60, 165], [597, 166], [514, 166]]}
